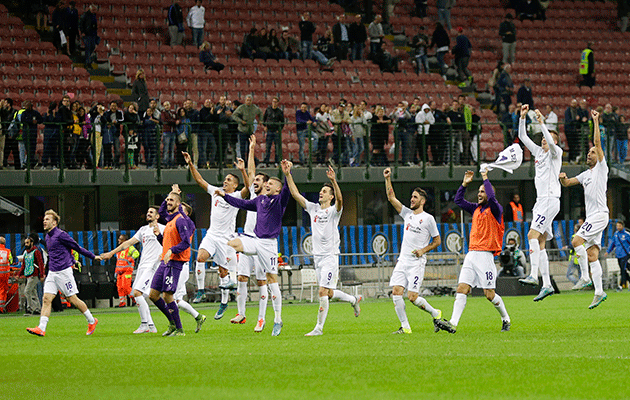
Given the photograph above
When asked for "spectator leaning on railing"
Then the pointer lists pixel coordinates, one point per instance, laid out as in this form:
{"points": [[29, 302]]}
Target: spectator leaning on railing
{"points": [[245, 115], [273, 123]]}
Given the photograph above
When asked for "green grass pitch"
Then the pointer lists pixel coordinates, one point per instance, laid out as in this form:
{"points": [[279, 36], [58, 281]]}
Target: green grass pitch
{"points": [[557, 349]]}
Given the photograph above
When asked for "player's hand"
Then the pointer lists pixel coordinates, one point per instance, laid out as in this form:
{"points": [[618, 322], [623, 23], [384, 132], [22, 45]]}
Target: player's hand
{"points": [[252, 142], [540, 117], [286, 166], [106, 256], [330, 173], [98, 258], [219, 192], [167, 256], [524, 110], [484, 174], [175, 188], [563, 175], [595, 115], [387, 173], [240, 164], [187, 157], [468, 177], [418, 253], [156, 230]]}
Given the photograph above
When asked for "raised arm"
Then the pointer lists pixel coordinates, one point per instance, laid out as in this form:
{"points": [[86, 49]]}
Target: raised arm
{"points": [[333, 180], [522, 130], [597, 138], [495, 207], [459, 196], [391, 196], [195, 174], [286, 168], [566, 182], [249, 205], [240, 165], [547, 135], [251, 161], [124, 245]]}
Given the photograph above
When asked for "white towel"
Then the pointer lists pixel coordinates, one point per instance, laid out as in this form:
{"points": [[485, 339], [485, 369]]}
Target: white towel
{"points": [[508, 160]]}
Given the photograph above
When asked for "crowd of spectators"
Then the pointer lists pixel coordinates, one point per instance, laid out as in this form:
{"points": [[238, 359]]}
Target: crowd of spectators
{"points": [[79, 136]]}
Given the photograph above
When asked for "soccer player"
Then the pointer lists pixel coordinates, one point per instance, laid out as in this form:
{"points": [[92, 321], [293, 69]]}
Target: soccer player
{"points": [[420, 228], [548, 160], [175, 253], [222, 225], [270, 207], [325, 218], [486, 240], [60, 277], [149, 261], [594, 180], [247, 263]]}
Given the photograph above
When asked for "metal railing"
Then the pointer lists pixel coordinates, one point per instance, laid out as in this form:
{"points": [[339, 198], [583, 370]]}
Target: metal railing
{"points": [[216, 145]]}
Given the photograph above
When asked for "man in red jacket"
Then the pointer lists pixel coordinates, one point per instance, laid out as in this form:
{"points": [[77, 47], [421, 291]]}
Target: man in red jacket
{"points": [[33, 269]]}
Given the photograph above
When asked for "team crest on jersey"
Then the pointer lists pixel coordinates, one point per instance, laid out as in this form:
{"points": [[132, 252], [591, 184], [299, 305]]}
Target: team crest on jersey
{"points": [[228, 259]]}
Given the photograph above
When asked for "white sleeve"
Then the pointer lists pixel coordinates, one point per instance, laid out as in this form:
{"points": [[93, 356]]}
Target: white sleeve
{"points": [[581, 177], [212, 189], [552, 146], [161, 228], [431, 118], [522, 135], [433, 229], [310, 207], [138, 235], [404, 212]]}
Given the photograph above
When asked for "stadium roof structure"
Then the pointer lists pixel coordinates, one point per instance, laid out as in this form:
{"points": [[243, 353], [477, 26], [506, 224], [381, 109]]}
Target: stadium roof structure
{"points": [[7, 206]]}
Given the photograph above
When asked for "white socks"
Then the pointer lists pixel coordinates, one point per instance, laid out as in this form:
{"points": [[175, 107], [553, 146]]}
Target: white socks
{"points": [[90, 318], [583, 261], [322, 313], [596, 271], [241, 298], [423, 304], [500, 306], [534, 257], [143, 310], [458, 308], [43, 321], [544, 268], [343, 296], [200, 275], [399, 306], [183, 305], [225, 293], [276, 301], [262, 303]]}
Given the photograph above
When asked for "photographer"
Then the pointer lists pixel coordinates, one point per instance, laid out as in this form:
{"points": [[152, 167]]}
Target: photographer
{"points": [[512, 260]]}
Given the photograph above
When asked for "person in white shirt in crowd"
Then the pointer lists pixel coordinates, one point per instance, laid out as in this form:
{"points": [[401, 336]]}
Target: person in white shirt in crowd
{"points": [[551, 119], [196, 21], [424, 119]]}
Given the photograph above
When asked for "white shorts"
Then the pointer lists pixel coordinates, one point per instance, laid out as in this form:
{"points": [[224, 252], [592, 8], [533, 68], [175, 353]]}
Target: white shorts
{"points": [[265, 249], [142, 283], [408, 275], [248, 264], [181, 284], [479, 270], [327, 270], [220, 252], [544, 212], [592, 229], [62, 281]]}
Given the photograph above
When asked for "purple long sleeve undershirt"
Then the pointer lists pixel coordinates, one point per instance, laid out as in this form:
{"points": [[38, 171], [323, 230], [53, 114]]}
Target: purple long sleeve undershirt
{"points": [[495, 207]]}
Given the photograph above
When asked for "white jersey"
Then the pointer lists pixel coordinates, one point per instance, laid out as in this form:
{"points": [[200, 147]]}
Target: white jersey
{"points": [[594, 181], [419, 229], [325, 228], [151, 247], [548, 164], [250, 220], [222, 215]]}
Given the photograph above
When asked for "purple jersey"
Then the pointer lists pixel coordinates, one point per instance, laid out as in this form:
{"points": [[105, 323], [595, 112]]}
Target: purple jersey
{"points": [[270, 210], [494, 205], [60, 246]]}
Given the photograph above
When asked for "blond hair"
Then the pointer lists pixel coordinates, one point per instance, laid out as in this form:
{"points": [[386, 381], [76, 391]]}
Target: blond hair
{"points": [[138, 72], [53, 214]]}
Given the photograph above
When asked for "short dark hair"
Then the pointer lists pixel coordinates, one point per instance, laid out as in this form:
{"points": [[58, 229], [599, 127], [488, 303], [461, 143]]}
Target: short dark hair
{"points": [[273, 178], [621, 222], [264, 175], [156, 208], [34, 237], [508, 16], [332, 190], [238, 181], [187, 208], [422, 193]]}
